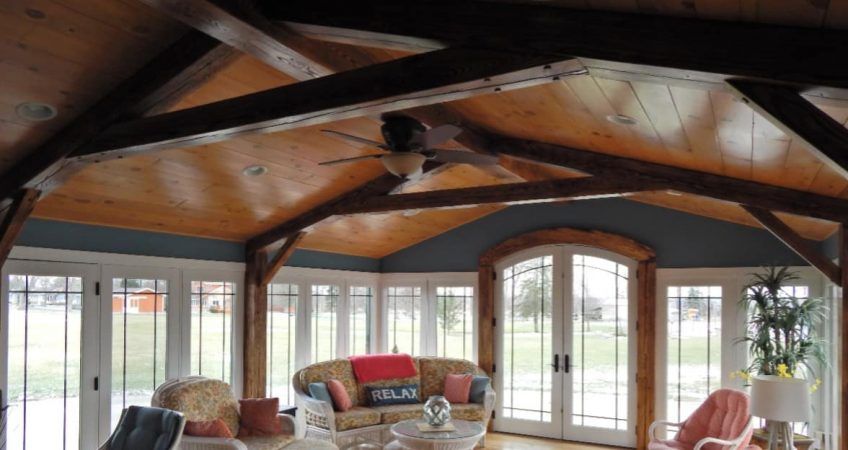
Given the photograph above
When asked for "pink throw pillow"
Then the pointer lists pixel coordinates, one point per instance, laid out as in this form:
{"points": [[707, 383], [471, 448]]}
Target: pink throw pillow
{"points": [[208, 428], [341, 400], [258, 417], [458, 387]]}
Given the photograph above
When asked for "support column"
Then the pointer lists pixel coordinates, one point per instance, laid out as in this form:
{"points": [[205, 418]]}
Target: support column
{"points": [[646, 319], [255, 325]]}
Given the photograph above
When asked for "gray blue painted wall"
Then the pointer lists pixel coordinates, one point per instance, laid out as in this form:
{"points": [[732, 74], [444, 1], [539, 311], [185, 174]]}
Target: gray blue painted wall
{"points": [[75, 236], [680, 239]]}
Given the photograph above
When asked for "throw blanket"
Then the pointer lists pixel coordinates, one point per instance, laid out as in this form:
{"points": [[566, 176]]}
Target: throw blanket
{"points": [[368, 368]]}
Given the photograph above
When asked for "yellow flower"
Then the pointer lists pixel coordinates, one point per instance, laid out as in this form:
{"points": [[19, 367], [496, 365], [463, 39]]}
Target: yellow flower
{"points": [[815, 387], [743, 375], [783, 371]]}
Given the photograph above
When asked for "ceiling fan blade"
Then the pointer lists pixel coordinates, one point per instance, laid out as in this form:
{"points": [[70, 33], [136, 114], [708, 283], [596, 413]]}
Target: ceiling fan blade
{"points": [[347, 160], [357, 139], [463, 157], [436, 136]]}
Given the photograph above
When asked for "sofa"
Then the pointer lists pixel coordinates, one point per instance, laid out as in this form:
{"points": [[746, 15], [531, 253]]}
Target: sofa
{"points": [[201, 399], [367, 424]]}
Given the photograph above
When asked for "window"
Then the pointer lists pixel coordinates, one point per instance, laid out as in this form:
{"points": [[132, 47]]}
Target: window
{"points": [[211, 328], [282, 317], [454, 322], [360, 300], [694, 347], [45, 354], [139, 341], [404, 319], [325, 301]]}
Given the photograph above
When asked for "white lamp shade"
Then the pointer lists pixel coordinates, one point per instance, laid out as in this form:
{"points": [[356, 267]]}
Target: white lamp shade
{"points": [[780, 399], [403, 164]]}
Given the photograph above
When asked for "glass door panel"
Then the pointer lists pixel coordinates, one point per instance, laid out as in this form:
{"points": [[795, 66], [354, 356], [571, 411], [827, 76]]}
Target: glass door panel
{"points": [[282, 332], [325, 302], [360, 301], [51, 347], [138, 311], [597, 367], [212, 304], [527, 380]]}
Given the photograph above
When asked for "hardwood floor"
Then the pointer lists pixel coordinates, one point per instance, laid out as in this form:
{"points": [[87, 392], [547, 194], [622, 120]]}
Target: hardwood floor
{"points": [[503, 441]]}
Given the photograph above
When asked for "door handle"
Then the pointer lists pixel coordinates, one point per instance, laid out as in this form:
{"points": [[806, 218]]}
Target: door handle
{"points": [[566, 364], [555, 365]]}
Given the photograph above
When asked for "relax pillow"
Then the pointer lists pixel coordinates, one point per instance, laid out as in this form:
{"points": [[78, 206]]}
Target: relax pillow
{"points": [[258, 417], [395, 395], [341, 399], [457, 387], [319, 391], [478, 389], [207, 428]]}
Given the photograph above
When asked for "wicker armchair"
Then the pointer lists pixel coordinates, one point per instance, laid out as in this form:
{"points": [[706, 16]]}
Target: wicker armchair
{"points": [[364, 424]]}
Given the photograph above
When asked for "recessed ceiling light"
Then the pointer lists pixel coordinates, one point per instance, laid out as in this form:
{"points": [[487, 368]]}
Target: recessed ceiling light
{"points": [[35, 111], [254, 170], [621, 119]]}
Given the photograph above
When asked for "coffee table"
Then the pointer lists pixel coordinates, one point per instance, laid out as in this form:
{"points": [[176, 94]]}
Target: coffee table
{"points": [[408, 437]]}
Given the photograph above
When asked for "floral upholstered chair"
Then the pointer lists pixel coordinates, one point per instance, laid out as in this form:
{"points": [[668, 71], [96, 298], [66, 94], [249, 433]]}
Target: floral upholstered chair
{"points": [[203, 399]]}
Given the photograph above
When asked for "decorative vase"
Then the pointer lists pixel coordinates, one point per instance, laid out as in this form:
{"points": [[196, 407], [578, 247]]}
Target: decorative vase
{"points": [[437, 410]]}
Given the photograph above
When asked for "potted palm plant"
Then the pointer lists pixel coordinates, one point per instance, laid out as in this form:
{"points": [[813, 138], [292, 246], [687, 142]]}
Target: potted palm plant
{"points": [[783, 345]]}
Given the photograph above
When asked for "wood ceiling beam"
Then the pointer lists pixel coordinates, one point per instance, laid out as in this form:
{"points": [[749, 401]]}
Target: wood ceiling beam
{"points": [[13, 221], [573, 188], [238, 24], [177, 70], [282, 256], [798, 244], [379, 186], [417, 80], [786, 109], [692, 48]]}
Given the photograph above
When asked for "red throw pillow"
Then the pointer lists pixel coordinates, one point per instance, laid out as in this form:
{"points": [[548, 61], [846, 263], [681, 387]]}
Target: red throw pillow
{"points": [[207, 428], [457, 387], [341, 400], [259, 417]]}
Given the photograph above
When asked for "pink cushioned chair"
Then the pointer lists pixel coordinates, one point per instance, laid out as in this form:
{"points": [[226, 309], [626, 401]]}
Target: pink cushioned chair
{"points": [[722, 422]]}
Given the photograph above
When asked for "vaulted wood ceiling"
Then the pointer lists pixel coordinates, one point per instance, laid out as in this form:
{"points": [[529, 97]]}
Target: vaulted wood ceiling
{"points": [[70, 52]]}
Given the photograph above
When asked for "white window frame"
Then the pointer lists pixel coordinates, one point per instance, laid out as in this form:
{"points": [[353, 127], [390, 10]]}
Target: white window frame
{"points": [[438, 280], [426, 308]]}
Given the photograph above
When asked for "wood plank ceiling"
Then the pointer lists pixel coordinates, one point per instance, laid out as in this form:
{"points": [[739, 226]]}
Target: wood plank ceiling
{"points": [[69, 52]]}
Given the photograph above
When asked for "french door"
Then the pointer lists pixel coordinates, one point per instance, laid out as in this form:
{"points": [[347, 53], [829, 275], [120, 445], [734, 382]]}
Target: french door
{"points": [[50, 334], [566, 344]]}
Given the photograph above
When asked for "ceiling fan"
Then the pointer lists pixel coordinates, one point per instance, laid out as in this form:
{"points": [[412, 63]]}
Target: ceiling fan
{"points": [[409, 144]]}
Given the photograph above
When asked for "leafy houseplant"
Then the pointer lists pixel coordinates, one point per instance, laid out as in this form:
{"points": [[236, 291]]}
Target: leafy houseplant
{"points": [[781, 334]]}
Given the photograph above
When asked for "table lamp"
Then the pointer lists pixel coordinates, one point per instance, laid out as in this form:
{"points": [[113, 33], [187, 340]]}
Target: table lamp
{"points": [[781, 401]]}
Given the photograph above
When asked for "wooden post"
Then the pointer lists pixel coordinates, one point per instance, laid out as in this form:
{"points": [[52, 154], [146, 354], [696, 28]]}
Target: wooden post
{"points": [[486, 316], [646, 319], [255, 323], [13, 221], [843, 264]]}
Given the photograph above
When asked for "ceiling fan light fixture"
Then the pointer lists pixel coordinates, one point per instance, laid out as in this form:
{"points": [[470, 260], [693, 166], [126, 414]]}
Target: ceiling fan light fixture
{"points": [[35, 111], [621, 119], [403, 164]]}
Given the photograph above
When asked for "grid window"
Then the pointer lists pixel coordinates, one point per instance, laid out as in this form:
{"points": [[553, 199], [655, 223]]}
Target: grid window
{"points": [[211, 328], [361, 300], [455, 320], [139, 341], [404, 319], [694, 347], [45, 329], [325, 301], [600, 343], [282, 318]]}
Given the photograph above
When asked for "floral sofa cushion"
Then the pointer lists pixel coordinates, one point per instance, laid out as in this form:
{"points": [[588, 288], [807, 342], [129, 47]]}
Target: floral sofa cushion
{"points": [[433, 371], [357, 417], [199, 399], [468, 411], [395, 413], [267, 442], [338, 369]]}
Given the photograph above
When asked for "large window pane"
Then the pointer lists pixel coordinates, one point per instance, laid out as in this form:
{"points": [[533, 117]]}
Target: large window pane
{"points": [[694, 347], [325, 300], [404, 319], [455, 322], [45, 318], [527, 350], [211, 328], [361, 299], [282, 310], [138, 341], [600, 343]]}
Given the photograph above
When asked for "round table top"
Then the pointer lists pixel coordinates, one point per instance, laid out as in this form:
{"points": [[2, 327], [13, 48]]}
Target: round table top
{"points": [[463, 430]]}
